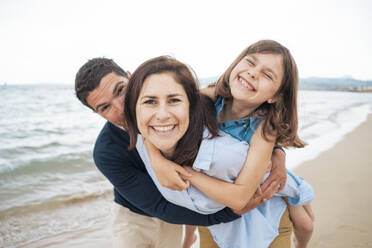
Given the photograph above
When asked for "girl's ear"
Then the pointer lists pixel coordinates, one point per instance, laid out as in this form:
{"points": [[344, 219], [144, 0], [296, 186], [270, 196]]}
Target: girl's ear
{"points": [[274, 99]]}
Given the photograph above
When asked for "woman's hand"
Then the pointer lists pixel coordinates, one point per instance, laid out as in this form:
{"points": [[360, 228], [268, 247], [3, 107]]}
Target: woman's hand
{"points": [[168, 173]]}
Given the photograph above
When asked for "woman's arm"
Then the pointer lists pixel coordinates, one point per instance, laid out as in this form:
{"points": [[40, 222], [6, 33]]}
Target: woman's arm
{"points": [[237, 195]]}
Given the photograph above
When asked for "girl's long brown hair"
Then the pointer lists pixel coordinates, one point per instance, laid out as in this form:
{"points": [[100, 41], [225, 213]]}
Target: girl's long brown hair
{"points": [[281, 118], [202, 112]]}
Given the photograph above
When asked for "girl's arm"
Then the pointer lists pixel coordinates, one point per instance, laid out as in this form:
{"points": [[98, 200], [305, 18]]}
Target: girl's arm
{"points": [[237, 195], [209, 91], [168, 173]]}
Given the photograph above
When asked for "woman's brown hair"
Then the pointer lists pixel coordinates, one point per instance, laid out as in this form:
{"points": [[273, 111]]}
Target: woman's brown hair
{"points": [[202, 112], [281, 118]]}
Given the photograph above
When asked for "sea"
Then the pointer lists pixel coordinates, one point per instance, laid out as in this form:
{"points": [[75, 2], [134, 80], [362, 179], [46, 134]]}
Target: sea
{"points": [[49, 184]]}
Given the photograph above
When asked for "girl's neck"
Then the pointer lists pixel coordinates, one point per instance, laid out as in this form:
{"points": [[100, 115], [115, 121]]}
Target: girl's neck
{"points": [[235, 110]]}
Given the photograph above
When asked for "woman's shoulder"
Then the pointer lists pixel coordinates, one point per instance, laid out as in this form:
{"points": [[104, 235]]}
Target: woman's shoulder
{"points": [[224, 141]]}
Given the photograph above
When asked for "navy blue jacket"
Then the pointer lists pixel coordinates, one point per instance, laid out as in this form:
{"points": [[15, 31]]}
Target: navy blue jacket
{"points": [[134, 188]]}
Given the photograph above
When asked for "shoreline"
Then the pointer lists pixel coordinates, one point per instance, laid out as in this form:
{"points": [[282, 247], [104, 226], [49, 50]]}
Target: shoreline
{"points": [[340, 178]]}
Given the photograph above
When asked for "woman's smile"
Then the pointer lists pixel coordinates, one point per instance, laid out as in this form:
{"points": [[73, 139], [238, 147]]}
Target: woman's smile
{"points": [[164, 130]]}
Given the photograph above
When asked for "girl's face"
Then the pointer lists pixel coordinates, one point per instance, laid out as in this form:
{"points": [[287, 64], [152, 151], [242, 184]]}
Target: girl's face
{"points": [[162, 111], [256, 78]]}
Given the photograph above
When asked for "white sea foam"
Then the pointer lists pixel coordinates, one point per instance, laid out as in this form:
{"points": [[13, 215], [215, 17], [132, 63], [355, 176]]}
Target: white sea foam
{"points": [[324, 133]]}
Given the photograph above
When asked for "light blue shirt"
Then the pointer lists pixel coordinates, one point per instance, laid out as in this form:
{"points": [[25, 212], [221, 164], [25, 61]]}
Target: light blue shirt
{"points": [[223, 157]]}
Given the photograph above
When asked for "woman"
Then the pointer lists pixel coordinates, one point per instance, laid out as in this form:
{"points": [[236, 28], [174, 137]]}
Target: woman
{"points": [[163, 104]]}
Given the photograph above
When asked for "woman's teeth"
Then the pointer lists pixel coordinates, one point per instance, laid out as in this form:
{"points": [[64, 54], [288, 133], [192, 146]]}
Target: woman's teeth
{"points": [[163, 128]]}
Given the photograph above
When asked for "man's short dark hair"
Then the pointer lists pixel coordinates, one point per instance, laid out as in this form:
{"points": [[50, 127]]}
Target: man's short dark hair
{"points": [[90, 74]]}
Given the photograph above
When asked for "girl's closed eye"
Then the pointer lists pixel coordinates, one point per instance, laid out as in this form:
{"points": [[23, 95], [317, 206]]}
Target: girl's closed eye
{"points": [[267, 75], [250, 62]]}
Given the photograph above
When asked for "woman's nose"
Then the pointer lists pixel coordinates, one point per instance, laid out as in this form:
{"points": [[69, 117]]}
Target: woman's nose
{"points": [[162, 113]]}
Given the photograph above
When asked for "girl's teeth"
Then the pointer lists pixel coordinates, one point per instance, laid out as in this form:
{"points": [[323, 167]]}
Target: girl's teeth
{"points": [[244, 83]]}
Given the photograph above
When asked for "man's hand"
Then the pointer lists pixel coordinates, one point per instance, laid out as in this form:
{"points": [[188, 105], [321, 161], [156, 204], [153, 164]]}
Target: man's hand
{"points": [[259, 197], [167, 172], [278, 171]]}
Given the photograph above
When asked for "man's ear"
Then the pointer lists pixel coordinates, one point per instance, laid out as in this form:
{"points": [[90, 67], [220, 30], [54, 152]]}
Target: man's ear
{"points": [[129, 75]]}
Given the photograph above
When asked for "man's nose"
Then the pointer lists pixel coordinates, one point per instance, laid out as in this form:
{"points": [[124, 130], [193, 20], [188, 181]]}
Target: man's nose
{"points": [[118, 104]]}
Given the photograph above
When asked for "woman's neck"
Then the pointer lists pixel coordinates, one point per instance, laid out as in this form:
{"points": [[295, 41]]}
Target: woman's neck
{"points": [[167, 154], [235, 110]]}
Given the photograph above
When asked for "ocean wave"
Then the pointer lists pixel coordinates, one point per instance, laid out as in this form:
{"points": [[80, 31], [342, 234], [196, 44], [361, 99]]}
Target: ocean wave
{"points": [[38, 161], [54, 202], [325, 134]]}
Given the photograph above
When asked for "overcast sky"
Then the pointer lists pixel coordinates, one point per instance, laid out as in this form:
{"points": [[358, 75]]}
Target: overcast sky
{"points": [[47, 41]]}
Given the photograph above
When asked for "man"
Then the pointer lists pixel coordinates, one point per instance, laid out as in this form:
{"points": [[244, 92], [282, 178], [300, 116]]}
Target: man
{"points": [[141, 216]]}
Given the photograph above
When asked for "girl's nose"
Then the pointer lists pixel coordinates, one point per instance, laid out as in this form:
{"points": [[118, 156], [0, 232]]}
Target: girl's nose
{"points": [[252, 73]]}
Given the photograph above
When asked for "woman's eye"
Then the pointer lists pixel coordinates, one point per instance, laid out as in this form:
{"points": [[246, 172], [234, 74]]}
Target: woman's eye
{"points": [[149, 102], [174, 100]]}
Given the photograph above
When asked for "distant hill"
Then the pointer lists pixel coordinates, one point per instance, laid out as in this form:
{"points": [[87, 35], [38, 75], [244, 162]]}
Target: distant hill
{"points": [[345, 83], [319, 83]]}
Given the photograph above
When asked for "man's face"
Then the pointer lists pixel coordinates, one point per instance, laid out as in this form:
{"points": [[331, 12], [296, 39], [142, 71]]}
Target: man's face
{"points": [[108, 98]]}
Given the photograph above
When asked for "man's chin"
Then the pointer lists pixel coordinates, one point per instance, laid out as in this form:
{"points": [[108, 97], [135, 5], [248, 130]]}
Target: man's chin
{"points": [[119, 124]]}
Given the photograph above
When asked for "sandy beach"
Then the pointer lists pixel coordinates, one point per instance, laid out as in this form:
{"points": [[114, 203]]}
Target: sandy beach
{"points": [[341, 178]]}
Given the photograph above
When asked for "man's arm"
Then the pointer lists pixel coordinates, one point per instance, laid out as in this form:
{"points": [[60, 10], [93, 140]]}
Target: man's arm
{"points": [[278, 171], [137, 187]]}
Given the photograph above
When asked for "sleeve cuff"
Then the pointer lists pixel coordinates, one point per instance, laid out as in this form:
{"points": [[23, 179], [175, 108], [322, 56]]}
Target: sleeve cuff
{"points": [[279, 147]]}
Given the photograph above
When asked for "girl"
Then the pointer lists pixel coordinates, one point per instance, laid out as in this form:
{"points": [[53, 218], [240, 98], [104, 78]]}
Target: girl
{"points": [[263, 81], [161, 101]]}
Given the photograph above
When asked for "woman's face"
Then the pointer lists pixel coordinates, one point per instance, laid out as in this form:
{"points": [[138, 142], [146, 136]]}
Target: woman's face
{"points": [[256, 78], [162, 112]]}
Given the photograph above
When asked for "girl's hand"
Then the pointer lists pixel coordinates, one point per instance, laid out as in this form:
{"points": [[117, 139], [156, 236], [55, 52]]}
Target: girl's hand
{"points": [[168, 173]]}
